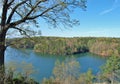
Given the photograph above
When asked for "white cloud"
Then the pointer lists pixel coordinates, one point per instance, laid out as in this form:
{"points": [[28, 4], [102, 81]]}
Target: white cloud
{"points": [[115, 5], [107, 11]]}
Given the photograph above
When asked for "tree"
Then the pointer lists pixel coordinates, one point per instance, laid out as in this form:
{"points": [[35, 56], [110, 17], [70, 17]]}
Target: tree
{"points": [[111, 68], [66, 72], [86, 78], [19, 14]]}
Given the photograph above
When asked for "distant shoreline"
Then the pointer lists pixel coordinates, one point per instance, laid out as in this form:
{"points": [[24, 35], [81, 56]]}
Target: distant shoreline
{"points": [[66, 46]]}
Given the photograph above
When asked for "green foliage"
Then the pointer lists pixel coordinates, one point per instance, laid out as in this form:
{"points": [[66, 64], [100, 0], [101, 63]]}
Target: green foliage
{"points": [[68, 46], [104, 47], [112, 65], [21, 43], [11, 77], [64, 72], [48, 81], [21, 79], [68, 72], [86, 78], [111, 70], [53, 45], [66, 69], [89, 77]]}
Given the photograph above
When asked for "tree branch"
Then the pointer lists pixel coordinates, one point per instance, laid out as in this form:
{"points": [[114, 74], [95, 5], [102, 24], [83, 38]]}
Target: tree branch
{"points": [[14, 10], [26, 16], [13, 24], [22, 32], [9, 4], [33, 17], [33, 8], [4, 12]]}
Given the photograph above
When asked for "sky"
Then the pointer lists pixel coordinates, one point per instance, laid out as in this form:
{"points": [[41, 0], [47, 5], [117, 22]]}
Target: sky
{"points": [[101, 19]]}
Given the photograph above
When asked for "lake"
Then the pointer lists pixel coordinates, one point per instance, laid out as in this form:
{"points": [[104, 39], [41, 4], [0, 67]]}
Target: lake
{"points": [[44, 64]]}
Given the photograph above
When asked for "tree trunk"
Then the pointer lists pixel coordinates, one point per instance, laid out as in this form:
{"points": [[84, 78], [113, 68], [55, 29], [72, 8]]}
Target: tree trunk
{"points": [[2, 69], [2, 52], [2, 47]]}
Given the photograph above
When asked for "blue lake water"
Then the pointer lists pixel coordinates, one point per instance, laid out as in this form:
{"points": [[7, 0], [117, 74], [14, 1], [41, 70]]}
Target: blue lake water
{"points": [[44, 64]]}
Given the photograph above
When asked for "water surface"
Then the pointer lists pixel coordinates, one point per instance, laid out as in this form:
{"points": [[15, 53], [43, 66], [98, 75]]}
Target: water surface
{"points": [[44, 64]]}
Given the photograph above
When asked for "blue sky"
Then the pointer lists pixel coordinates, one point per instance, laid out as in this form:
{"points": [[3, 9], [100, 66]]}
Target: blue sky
{"points": [[101, 19]]}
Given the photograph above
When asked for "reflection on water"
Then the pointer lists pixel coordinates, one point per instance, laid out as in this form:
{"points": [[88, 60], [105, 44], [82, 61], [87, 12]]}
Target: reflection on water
{"points": [[44, 64]]}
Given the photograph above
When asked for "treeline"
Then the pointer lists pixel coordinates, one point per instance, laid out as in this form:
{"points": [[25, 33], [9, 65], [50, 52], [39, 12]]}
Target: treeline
{"points": [[67, 46]]}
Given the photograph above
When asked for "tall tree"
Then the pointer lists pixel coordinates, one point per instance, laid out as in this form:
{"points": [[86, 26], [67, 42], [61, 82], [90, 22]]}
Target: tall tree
{"points": [[66, 72], [19, 14]]}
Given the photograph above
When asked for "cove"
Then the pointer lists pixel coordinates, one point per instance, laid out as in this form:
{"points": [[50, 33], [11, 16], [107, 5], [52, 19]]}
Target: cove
{"points": [[44, 64]]}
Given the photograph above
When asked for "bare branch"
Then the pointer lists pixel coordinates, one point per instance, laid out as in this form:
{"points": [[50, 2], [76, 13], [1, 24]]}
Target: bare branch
{"points": [[28, 17], [4, 12], [9, 4], [17, 13], [25, 17], [22, 32], [14, 10], [13, 24], [33, 8], [33, 17]]}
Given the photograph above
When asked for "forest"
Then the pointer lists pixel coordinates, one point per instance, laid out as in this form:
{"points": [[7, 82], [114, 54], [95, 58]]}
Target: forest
{"points": [[66, 46], [68, 72]]}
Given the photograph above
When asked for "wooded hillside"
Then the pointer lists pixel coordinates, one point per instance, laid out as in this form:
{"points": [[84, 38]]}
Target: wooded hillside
{"points": [[67, 46]]}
